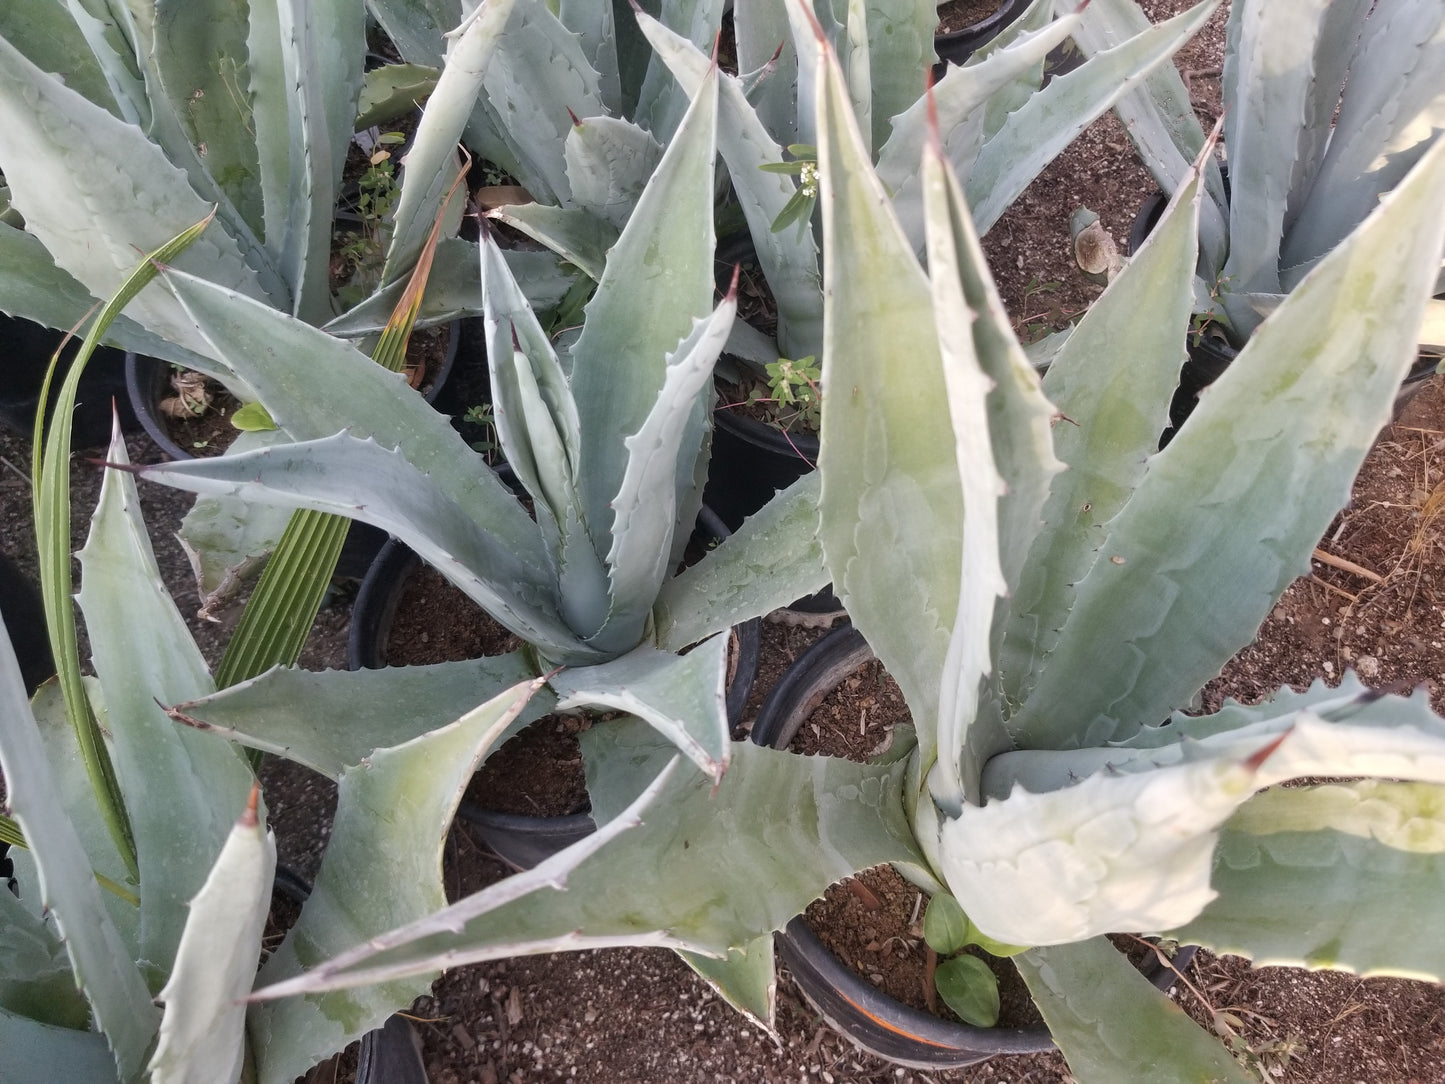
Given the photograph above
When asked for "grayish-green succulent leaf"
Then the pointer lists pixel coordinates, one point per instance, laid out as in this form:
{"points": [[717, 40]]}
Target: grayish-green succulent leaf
{"points": [[1112, 1025], [48, 34], [322, 48], [573, 233], [658, 280], [1019, 421], [94, 221], [333, 719], [661, 102], [393, 91], [1394, 106], [960, 102], [596, 28], [1364, 854], [1129, 835], [181, 825], [789, 258], [747, 343], [102, 962], [1330, 359], [1038, 15], [431, 161], [897, 44], [1335, 40], [1432, 331], [1268, 68], [453, 289], [226, 541], [35, 976], [110, 34], [891, 506], [533, 88], [180, 123], [75, 794], [1160, 121], [416, 27], [539, 430], [198, 58], [537, 417], [34, 288], [270, 115], [965, 387], [392, 811], [315, 385], [683, 697], [826, 818], [654, 503], [851, 46], [764, 49], [747, 979], [203, 1029], [358, 965], [773, 559], [362, 480], [1036, 132], [172, 107], [608, 163], [1122, 397], [32, 1052]]}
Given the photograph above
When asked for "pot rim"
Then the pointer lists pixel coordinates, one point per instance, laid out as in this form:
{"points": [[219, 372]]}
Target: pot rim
{"points": [[145, 375], [867, 1017]]}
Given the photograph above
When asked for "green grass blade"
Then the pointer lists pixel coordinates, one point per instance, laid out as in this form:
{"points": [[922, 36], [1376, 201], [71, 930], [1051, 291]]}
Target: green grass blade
{"points": [[279, 614], [50, 468]]}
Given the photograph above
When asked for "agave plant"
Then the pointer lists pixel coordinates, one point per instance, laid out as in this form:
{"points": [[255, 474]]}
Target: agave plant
{"points": [[159, 115], [1326, 107], [608, 438], [1045, 596], [144, 871], [165, 113], [564, 98], [580, 116], [1000, 125], [89, 948]]}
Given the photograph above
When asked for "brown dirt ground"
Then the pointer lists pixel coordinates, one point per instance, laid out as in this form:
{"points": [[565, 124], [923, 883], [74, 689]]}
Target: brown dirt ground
{"points": [[641, 1015]]}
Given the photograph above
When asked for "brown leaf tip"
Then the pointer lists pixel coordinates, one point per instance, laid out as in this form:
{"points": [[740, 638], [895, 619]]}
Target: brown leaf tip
{"points": [[250, 818]]}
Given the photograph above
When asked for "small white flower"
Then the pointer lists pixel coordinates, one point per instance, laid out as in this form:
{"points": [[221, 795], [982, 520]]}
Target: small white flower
{"points": [[808, 179]]}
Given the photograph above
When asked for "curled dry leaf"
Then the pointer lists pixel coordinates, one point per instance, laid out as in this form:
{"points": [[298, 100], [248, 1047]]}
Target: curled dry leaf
{"points": [[192, 398]]}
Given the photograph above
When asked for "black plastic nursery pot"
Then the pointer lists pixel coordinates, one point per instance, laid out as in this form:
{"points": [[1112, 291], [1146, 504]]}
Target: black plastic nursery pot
{"points": [[519, 839], [389, 1054], [956, 46], [856, 1009], [24, 617], [147, 383], [1210, 353], [25, 352], [751, 461]]}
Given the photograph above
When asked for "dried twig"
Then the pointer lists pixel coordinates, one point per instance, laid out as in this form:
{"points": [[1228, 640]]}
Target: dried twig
{"points": [[1347, 566]]}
